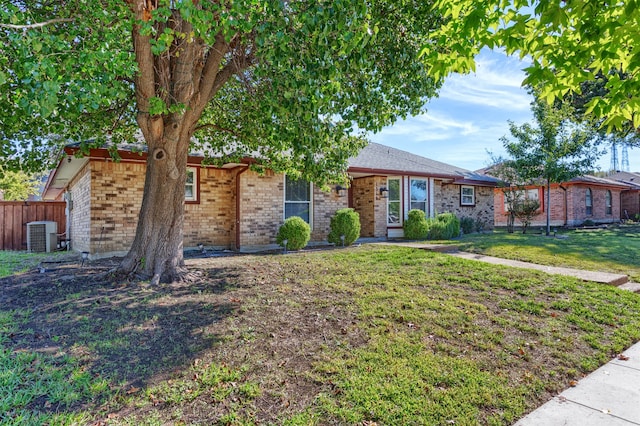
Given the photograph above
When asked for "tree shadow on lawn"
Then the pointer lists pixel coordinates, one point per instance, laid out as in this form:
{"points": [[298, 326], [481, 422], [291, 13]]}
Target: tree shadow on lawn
{"points": [[129, 333]]}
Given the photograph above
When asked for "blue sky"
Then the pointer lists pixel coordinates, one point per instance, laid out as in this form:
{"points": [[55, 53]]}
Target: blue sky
{"points": [[470, 116]]}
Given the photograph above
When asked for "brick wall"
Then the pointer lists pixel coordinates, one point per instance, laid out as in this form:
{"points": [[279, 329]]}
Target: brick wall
{"points": [[107, 198], [571, 212], [80, 213], [211, 222], [557, 206], [447, 200], [629, 201], [325, 205], [371, 207], [261, 207], [577, 204]]}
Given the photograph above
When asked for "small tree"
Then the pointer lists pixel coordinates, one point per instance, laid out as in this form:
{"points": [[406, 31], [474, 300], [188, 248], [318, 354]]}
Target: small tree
{"points": [[525, 210], [555, 150]]}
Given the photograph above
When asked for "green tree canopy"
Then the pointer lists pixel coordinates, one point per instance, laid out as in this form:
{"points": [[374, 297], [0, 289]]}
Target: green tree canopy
{"points": [[18, 185], [554, 150], [568, 43]]}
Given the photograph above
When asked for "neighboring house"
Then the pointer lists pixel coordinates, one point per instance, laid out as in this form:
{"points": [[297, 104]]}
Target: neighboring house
{"points": [[584, 198], [233, 207], [629, 198]]}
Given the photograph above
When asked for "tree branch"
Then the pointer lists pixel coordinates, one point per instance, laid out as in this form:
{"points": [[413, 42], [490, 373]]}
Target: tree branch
{"points": [[37, 25], [216, 127]]}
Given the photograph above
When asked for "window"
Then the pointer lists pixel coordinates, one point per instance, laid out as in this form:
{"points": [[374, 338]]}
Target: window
{"points": [[191, 185], [394, 216], [467, 195], [518, 195], [418, 194], [588, 201], [297, 199], [608, 202]]}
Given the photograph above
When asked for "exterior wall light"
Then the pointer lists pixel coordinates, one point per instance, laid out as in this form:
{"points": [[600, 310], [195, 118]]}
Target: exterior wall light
{"points": [[341, 190], [384, 192]]}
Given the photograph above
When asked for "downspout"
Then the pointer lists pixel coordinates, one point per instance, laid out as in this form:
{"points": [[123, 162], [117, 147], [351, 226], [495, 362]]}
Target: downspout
{"points": [[238, 207], [566, 205]]}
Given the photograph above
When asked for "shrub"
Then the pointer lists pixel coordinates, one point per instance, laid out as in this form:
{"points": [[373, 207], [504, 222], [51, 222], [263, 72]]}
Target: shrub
{"points": [[345, 222], [466, 224], [296, 231], [479, 225], [451, 225], [416, 226]]}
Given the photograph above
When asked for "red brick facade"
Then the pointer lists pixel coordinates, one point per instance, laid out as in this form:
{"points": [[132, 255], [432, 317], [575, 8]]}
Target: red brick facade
{"points": [[568, 204]]}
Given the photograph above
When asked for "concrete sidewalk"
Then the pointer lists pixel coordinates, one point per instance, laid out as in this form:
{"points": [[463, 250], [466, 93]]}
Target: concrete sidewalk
{"points": [[599, 277], [608, 396]]}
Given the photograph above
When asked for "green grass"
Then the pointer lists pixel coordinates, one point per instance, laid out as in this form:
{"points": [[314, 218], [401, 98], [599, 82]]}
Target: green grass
{"points": [[13, 262], [368, 335], [450, 341], [36, 388], [609, 250]]}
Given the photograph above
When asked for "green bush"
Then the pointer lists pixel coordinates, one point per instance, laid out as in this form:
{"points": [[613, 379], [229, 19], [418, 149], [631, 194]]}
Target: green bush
{"points": [[444, 227], [466, 224], [416, 226], [296, 231], [345, 222]]}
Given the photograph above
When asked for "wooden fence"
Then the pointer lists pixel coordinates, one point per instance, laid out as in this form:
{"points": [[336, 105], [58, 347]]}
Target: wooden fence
{"points": [[14, 216]]}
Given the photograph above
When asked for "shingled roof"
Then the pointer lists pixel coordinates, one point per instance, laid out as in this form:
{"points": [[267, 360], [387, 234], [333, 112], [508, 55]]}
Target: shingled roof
{"points": [[381, 159]]}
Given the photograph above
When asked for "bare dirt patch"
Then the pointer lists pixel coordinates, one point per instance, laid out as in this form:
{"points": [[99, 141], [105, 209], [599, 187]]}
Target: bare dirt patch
{"points": [[242, 312]]}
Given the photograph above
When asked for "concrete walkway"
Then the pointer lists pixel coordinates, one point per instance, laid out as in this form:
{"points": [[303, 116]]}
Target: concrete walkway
{"points": [[599, 277], [610, 396]]}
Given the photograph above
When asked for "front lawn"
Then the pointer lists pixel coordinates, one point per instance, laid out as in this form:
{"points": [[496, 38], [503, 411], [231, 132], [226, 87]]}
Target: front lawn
{"points": [[367, 335], [614, 249]]}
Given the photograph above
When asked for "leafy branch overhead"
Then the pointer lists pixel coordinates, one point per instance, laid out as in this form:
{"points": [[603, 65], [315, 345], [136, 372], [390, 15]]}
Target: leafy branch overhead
{"points": [[568, 42], [256, 78]]}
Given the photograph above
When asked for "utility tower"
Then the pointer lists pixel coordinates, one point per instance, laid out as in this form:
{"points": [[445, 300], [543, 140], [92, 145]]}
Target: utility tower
{"points": [[614, 157], [625, 159]]}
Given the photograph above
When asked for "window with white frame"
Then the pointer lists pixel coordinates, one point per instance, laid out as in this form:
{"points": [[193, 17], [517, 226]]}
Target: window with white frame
{"points": [[608, 202], [588, 202], [394, 203], [467, 195], [297, 198], [519, 195], [418, 194], [191, 185]]}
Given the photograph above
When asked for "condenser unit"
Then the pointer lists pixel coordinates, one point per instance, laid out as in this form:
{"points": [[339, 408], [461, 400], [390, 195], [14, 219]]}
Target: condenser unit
{"points": [[42, 236]]}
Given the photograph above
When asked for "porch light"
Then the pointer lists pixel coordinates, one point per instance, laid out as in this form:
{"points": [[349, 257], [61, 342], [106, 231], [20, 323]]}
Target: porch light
{"points": [[341, 191], [384, 192]]}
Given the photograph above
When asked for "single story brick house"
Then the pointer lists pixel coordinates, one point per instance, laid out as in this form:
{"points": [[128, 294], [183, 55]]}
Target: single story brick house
{"points": [[232, 207], [629, 198], [583, 198]]}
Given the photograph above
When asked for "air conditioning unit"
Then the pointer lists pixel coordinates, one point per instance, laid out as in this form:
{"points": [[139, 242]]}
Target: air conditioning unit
{"points": [[42, 236]]}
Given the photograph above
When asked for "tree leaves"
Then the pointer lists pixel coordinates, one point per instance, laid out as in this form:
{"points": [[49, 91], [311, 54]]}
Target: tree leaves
{"points": [[567, 42]]}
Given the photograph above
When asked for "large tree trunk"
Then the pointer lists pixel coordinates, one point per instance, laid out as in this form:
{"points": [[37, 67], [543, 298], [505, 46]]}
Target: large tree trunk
{"points": [[185, 77], [156, 251]]}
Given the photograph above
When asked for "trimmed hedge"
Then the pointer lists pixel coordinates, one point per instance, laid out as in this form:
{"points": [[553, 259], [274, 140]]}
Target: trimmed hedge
{"points": [[296, 231], [416, 226], [345, 222]]}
